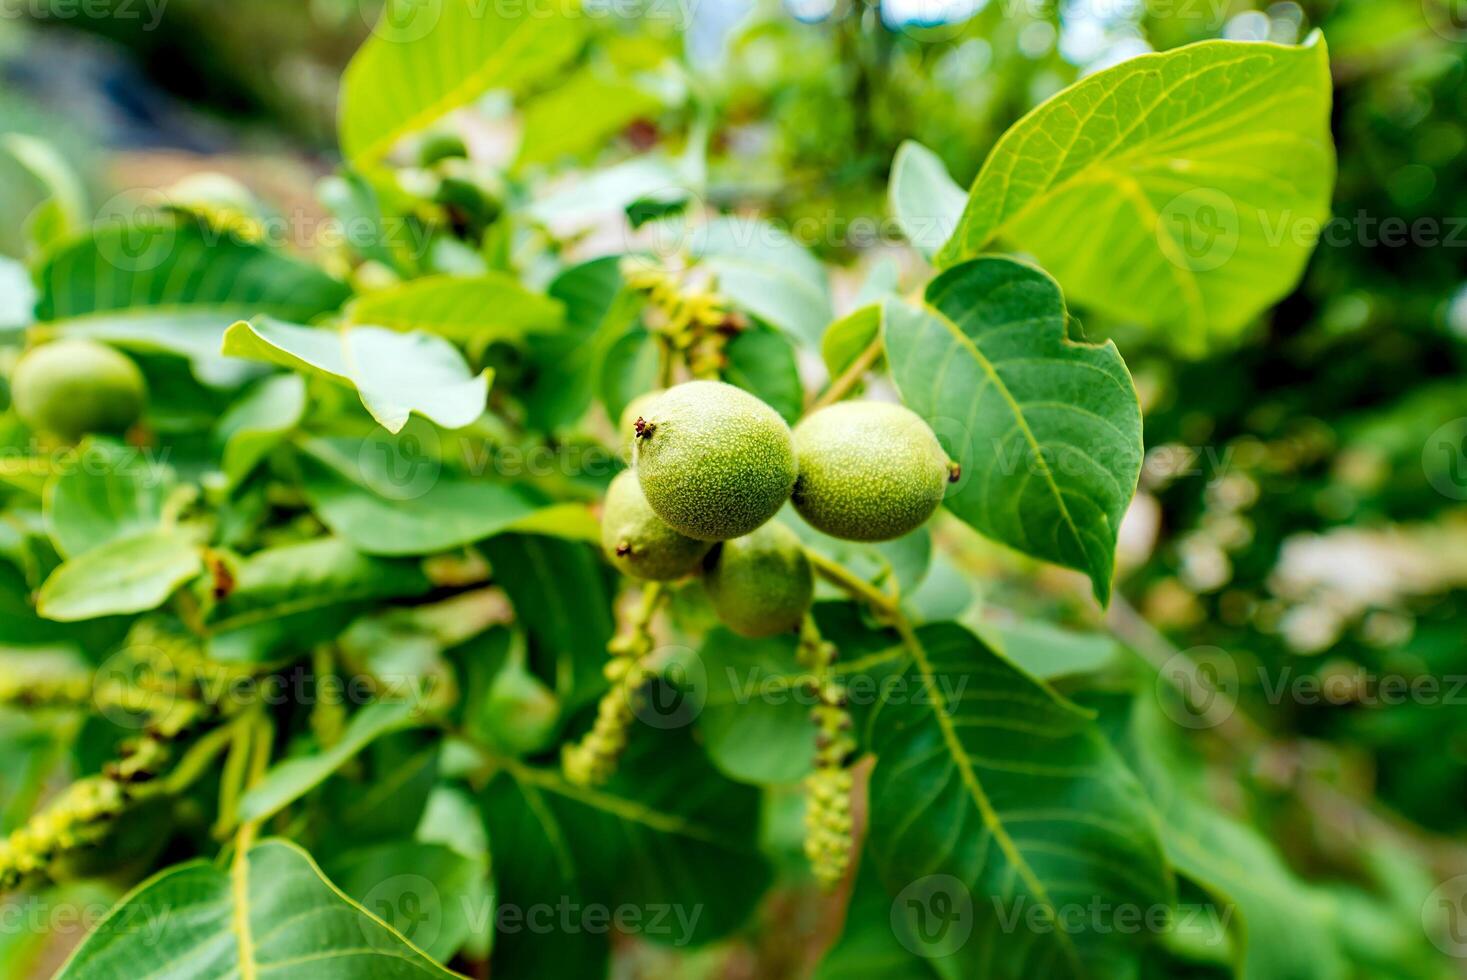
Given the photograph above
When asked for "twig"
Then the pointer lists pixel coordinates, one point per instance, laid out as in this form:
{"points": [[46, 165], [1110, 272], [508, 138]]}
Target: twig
{"points": [[850, 377]]}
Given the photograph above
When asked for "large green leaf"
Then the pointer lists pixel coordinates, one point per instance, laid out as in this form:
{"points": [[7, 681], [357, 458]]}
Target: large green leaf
{"points": [[272, 914], [382, 508], [126, 575], [1048, 432], [1179, 189], [493, 306], [762, 362], [755, 717], [993, 794], [424, 60], [668, 842], [395, 374], [174, 288], [111, 492]]}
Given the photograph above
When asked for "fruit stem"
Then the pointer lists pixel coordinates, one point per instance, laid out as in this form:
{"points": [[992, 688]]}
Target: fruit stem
{"points": [[837, 574], [850, 377]]}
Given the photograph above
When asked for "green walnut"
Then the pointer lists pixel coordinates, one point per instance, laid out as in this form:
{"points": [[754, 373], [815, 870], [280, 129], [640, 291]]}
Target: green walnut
{"points": [[869, 471], [73, 387], [714, 461], [640, 543], [761, 584]]}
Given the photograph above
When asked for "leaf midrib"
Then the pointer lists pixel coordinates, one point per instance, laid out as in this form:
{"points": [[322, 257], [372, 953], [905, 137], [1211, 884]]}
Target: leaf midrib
{"points": [[943, 717], [1018, 412]]}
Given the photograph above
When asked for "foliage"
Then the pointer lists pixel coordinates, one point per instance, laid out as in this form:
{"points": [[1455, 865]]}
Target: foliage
{"points": [[324, 639]]}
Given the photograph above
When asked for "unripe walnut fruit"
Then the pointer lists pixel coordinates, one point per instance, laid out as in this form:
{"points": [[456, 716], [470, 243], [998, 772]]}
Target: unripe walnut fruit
{"points": [[714, 461], [761, 584], [73, 387], [640, 543], [869, 471]]}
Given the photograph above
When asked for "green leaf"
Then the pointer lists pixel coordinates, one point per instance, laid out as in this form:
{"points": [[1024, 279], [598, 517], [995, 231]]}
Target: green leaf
{"points": [[126, 575], [111, 492], [431, 894], [298, 594], [632, 367], [755, 718], [599, 310], [1174, 189], [260, 420], [869, 948], [579, 114], [474, 309], [762, 362], [767, 274], [173, 288], [667, 833], [288, 781], [1049, 652], [560, 594], [1048, 432], [926, 202], [64, 212], [395, 374], [425, 60], [17, 295], [386, 504], [273, 914], [990, 778]]}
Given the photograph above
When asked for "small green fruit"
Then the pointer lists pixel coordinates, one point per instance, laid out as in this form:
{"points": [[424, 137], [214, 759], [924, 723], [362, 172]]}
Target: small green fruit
{"points": [[714, 461], [761, 584], [869, 471], [73, 387], [640, 543]]}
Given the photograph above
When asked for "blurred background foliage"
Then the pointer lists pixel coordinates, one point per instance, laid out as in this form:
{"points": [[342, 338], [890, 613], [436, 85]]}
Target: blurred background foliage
{"points": [[1291, 514]]}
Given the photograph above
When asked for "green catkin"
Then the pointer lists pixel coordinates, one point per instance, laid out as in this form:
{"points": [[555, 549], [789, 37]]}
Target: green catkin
{"points": [[693, 319], [163, 677], [828, 826], [592, 761]]}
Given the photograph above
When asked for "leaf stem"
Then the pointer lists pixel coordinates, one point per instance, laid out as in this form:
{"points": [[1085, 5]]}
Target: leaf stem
{"points": [[850, 377]]}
